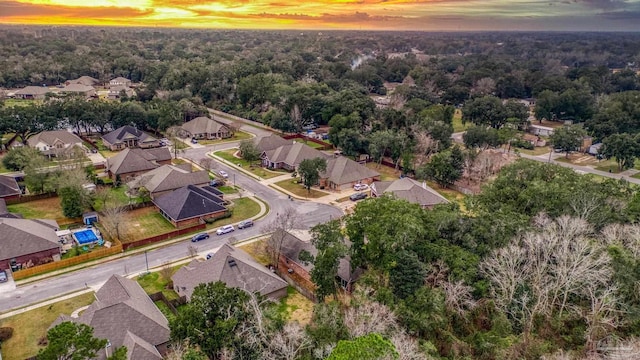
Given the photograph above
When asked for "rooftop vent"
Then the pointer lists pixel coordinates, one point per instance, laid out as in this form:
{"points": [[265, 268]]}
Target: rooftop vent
{"points": [[232, 263]]}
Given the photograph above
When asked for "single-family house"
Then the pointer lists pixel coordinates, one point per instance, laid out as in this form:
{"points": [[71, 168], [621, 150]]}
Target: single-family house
{"points": [[342, 173], [289, 156], [271, 142], [32, 93], [131, 163], [124, 315], [9, 188], [190, 205], [205, 128], [58, 143], [119, 81], [28, 242], [129, 137], [83, 80], [79, 89], [116, 92], [294, 245], [540, 130], [409, 190], [167, 178], [234, 268], [534, 140]]}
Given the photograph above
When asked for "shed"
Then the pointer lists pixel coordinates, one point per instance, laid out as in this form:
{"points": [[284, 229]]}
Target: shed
{"points": [[89, 218]]}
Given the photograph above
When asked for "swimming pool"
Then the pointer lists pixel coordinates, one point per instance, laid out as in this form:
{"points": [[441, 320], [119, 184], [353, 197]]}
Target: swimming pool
{"points": [[85, 237]]}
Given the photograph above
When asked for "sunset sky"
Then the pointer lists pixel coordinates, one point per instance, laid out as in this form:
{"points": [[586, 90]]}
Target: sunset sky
{"points": [[608, 15]]}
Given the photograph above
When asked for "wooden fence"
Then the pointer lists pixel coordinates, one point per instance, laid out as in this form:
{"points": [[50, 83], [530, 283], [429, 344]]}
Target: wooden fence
{"points": [[163, 237], [325, 146], [27, 198], [57, 265]]}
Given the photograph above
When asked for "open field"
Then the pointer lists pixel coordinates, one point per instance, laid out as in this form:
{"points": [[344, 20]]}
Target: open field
{"points": [[31, 326], [254, 168], [292, 186], [143, 223], [39, 209]]}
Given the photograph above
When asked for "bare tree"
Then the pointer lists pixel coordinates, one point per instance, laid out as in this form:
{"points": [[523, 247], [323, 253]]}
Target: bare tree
{"points": [[166, 271], [407, 347], [602, 316], [288, 343], [234, 127], [284, 222], [207, 163], [192, 251], [370, 317], [458, 297], [113, 216]]}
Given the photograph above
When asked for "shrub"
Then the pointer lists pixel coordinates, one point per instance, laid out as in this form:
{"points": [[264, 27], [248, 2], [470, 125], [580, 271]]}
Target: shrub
{"points": [[5, 333], [522, 144]]}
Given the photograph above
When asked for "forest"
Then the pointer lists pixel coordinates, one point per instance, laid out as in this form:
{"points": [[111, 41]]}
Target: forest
{"points": [[543, 262]]}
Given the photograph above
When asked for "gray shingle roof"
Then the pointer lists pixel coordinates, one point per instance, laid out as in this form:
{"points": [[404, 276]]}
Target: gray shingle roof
{"points": [[169, 177], [33, 90], [124, 314], [134, 159], [9, 186], [342, 170], [409, 190], [51, 137], [127, 132], [189, 202], [84, 80], [233, 267], [26, 236], [203, 125], [293, 154], [139, 349], [79, 88], [271, 142]]}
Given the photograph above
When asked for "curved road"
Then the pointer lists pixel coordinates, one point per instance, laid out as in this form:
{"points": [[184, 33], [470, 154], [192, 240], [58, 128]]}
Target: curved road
{"points": [[94, 276]]}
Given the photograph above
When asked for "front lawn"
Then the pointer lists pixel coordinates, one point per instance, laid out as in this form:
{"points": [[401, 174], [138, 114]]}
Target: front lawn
{"points": [[228, 189], [238, 136], [103, 150], [244, 164], [243, 208], [535, 152], [292, 186], [39, 209], [257, 251], [155, 282], [29, 327]]}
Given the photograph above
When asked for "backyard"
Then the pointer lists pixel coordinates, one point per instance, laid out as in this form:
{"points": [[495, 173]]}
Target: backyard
{"points": [[29, 327], [39, 209], [293, 186], [309, 143], [155, 282], [254, 168], [143, 223]]}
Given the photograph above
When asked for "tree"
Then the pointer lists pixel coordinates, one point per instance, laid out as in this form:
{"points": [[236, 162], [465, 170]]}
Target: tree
{"points": [[487, 111], [113, 217], [329, 240], [249, 151], [368, 347], [379, 143], [71, 341], [568, 138], [481, 137], [71, 200], [408, 274], [623, 147], [18, 158], [284, 222], [310, 169], [444, 168]]}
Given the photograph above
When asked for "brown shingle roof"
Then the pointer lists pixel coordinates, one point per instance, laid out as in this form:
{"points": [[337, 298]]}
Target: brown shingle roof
{"points": [[169, 177], [9, 186], [33, 90], [409, 190], [233, 267], [342, 170], [127, 132], [293, 154], [267, 143], [50, 138], [203, 125], [134, 159], [26, 236]]}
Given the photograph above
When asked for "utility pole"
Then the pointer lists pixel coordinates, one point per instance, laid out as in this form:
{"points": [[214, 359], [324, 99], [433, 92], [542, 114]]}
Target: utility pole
{"points": [[146, 260]]}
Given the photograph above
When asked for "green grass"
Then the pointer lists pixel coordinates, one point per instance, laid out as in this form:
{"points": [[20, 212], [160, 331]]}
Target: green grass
{"points": [[154, 282], [612, 168], [103, 150], [293, 187], [119, 195], [295, 307], [19, 102], [228, 189], [535, 152], [243, 208], [238, 136], [143, 223], [245, 165], [164, 309], [32, 325], [39, 209], [309, 143], [458, 126]]}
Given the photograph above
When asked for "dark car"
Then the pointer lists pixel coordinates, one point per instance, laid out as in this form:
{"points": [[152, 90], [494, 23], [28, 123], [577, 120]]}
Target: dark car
{"points": [[216, 182], [3, 276], [358, 196], [245, 224], [198, 237], [209, 256]]}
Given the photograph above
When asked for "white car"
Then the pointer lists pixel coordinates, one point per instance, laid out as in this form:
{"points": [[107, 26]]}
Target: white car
{"points": [[223, 174], [360, 187], [225, 229]]}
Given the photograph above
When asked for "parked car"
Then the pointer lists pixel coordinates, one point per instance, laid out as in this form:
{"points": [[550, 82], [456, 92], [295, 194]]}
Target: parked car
{"points": [[223, 174], [198, 237], [216, 182], [245, 224], [225, 229], [209, 256], [194, 140], [360, 187], [3, 276], [358, 196]]}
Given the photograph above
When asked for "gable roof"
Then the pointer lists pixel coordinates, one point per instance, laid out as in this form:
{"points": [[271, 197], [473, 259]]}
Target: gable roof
{"points": [[342, 170], [188, 202], [134, 159], [84, 80], [169, 177], [410, 190], [271, 142], [124, 314], [139, 349], [33, 90], [77, 88], [50, 138], [26, 236], [233, 267], [293, 154], [127, 132], [9, 186], [292, 246], [203, 125]]}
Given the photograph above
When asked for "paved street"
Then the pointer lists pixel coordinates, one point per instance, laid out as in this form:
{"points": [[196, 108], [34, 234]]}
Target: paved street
{"points": [[312, 213]]}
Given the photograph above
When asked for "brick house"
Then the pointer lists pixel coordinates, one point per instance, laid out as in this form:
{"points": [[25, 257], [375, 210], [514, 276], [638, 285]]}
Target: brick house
{"points": [[129, 137], [28, 242], [132, 163], [342, 173], [205, 128], [167, 178]]}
